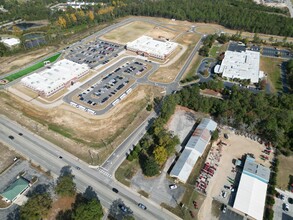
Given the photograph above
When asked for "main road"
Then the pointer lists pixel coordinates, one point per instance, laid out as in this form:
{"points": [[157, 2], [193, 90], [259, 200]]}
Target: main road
{"points": [[46, 154]]}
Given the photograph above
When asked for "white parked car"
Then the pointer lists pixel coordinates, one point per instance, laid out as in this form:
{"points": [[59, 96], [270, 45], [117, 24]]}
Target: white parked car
{"points": [[173, 186], [224, 194]]}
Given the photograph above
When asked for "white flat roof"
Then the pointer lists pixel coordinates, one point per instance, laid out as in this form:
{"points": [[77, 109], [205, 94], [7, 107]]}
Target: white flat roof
{"points": [[149, 45], [251, 196], [11, 41], [242, 65], [60, 73]]}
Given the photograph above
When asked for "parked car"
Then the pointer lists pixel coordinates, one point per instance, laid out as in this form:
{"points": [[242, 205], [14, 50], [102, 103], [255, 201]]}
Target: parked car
{"points": [[285, 207], [142, 206], [173, 186], [224, 208], [224, 194]]}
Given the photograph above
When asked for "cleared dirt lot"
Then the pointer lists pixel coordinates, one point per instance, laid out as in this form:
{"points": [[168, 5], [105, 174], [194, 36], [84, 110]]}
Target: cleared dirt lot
{"points": [[61, 204], [6, 157], [285, 170], [88, 137], [236, 147], [128, 32]]}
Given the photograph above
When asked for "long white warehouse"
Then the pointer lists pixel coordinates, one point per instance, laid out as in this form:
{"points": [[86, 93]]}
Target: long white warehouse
{"points": [[241, 65], [194, 149], [60, 75], [252, 189], [147, 46]]}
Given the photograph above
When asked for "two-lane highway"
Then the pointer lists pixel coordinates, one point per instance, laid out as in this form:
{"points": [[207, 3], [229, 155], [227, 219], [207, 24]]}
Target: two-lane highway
{"points": [[47, 155]]}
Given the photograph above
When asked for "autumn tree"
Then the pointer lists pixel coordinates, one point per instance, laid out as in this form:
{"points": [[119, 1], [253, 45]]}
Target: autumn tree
{"points": [[73, 18], [16, 30], [91, 15], [160, 155], [62, 22]]}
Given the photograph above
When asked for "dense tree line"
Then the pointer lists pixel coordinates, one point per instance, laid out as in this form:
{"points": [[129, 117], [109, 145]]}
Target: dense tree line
{"points": [[289, 69], [234, 14], [37, 207]]}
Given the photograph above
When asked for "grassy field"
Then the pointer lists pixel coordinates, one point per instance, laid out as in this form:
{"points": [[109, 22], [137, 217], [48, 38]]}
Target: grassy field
{"points": [[285, 170], [193, 67], [6, 158], [128, 32], [216, 50], [126, 171], [31, 68], [271, 67]]}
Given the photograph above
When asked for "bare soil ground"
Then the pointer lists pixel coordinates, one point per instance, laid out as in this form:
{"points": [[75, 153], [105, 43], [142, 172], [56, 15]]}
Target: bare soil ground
{"points": [[6, 157], [168, 74], [89, 138], [161, 32], [128, 32], [285, 170], [182, 121], [61, 204], [236, 147]]}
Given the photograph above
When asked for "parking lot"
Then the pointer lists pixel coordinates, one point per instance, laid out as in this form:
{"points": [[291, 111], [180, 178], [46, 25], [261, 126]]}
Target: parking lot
{"points": [[279, 207], [234, 46], [94, 53], [112, 84], [274, 52], [230, 215], [265, 51]]}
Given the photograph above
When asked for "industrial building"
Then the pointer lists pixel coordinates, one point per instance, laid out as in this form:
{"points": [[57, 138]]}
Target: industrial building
{"points": [[241, 65], [60, 75], [252, 189], [147, 46], [194, 149]]}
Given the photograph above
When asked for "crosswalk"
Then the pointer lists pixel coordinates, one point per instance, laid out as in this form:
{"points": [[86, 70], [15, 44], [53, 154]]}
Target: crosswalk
{"points": [[105, 173]]}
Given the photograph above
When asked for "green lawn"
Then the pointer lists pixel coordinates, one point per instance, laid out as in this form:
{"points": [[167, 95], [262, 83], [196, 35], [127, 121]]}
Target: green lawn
{"points": [[32, 68], [271, 66], [218, 48]]}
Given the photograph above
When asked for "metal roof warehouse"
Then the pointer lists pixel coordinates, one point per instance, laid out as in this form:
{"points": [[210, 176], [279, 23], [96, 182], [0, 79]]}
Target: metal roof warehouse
{"points": [[194, 149], [252, 189]]}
